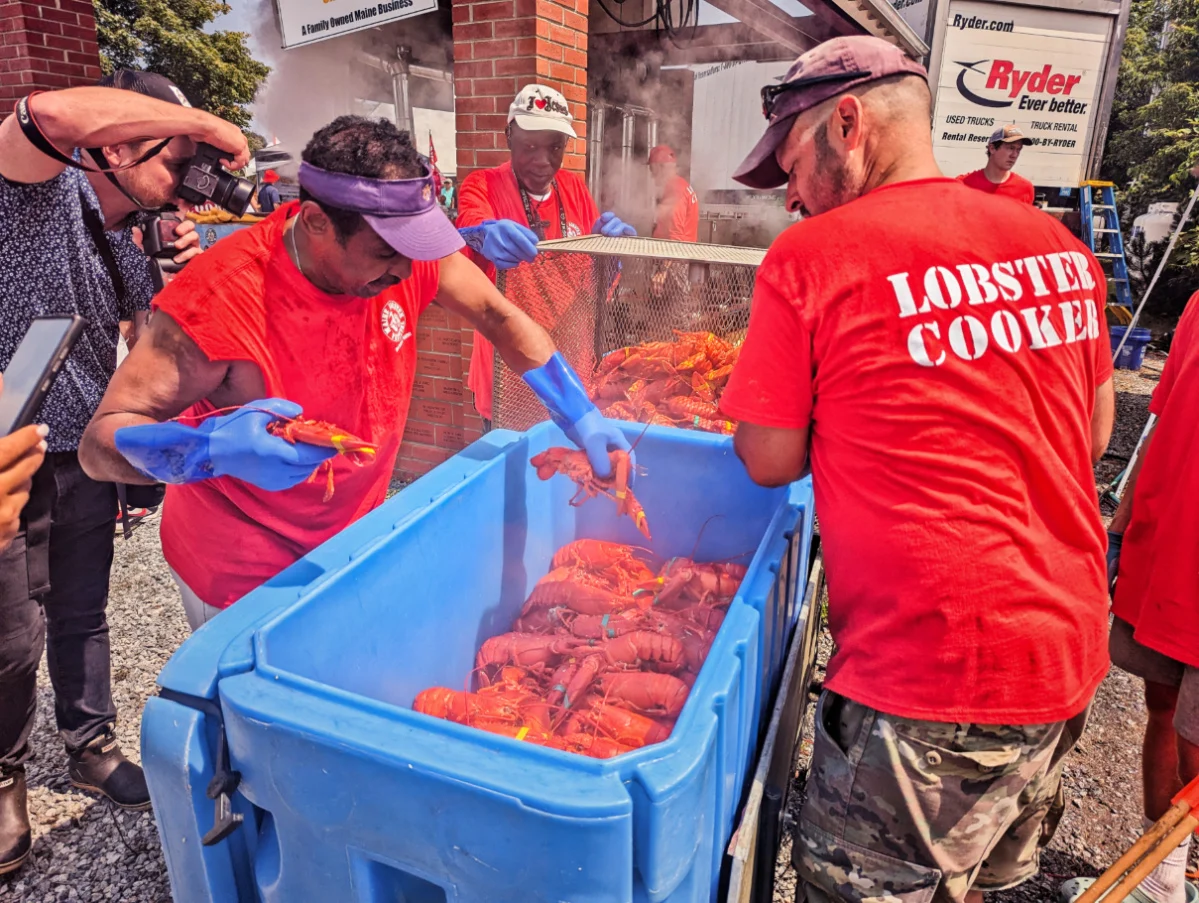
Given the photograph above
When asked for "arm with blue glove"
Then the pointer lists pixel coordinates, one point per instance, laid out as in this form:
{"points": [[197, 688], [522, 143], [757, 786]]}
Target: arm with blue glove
{"points": [[611, 226], [232, 445], [133, 439], [528, 349], [505, 243]]}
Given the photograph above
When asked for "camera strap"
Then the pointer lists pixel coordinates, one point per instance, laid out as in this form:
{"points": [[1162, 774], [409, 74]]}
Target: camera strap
{"points": [[91, 219], [34, 134]]}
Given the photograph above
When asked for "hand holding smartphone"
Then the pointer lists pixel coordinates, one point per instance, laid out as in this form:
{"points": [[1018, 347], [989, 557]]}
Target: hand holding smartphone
{"points": [[33, 367]]}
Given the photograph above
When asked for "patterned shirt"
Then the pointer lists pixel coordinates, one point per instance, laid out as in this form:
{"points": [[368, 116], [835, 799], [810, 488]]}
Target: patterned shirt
{"points": [[49, 266]]}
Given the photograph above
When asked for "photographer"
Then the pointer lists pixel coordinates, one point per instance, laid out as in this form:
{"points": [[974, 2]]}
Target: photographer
{"points": [[76, 167]]}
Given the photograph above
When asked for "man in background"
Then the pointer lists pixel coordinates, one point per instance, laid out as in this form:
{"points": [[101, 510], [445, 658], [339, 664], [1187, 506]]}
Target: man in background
{"points": [[65, 248], [507, 210], [1003, 150], [1153, 543], [268, 194], [676, 216]]}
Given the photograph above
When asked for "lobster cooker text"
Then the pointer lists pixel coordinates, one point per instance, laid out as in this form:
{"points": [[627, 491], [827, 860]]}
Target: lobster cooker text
{"points": [[1037, 326]]}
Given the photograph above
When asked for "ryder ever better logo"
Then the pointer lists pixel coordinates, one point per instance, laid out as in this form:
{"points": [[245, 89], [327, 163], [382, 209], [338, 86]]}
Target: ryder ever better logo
{"points": [[395, 323]]}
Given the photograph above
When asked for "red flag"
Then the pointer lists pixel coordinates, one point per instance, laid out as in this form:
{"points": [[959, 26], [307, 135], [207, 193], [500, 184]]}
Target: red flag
{"points": [[433, 164]]}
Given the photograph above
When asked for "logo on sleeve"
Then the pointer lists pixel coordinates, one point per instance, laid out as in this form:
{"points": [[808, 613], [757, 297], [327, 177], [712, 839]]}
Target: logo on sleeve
{"points": [[395, 323]]}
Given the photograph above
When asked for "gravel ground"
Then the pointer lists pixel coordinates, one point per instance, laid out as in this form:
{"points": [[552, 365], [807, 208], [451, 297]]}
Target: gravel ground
{"points": [[86, 850]]}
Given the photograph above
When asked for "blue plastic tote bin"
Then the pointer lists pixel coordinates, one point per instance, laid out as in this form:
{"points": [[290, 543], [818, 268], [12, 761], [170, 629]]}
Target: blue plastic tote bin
{"points": [[349, 795], [1132, 355]]}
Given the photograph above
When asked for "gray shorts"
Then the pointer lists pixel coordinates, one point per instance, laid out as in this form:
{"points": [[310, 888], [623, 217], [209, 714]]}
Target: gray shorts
{"points": [[1154, 667]]}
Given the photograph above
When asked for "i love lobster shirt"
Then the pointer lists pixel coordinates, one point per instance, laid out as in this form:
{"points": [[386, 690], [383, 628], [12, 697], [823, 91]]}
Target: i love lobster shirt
{"points": [[494, 194], [349, 361], [944, 349]]}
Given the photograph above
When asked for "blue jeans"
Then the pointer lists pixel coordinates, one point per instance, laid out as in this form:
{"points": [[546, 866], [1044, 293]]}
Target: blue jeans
{"points": [[53, 595]]}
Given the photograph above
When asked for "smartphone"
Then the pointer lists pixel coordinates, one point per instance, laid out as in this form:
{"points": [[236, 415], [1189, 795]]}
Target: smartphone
{"points": [[33, 367]]}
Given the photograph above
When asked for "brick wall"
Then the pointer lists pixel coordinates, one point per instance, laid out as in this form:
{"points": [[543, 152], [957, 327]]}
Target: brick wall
{"points": [[45, 44], [499, 47]]}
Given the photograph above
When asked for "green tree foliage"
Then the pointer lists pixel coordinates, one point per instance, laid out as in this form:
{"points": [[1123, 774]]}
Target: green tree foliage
{"points": [[1153, 138], [213, 68]]}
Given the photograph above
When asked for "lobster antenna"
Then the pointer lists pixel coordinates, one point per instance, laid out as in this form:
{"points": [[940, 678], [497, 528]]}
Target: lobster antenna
{"points": [[700, 535]]}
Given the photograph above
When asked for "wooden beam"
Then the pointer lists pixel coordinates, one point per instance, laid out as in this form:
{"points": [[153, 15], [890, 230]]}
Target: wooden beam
{"points": [[796, 34], [711, 44]]}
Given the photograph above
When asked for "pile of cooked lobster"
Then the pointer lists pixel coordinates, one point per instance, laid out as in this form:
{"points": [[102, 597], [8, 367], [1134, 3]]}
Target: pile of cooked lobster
{"points": [[668, 383], [603, 654]]}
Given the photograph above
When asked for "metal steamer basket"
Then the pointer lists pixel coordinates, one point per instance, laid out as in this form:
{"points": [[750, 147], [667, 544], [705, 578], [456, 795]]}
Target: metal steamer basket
{"points": [[596, 294]]}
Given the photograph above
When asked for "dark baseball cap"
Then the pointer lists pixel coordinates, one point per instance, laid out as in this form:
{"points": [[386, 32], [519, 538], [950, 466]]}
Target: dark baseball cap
{"points": [[828, 69], [149, 83]]}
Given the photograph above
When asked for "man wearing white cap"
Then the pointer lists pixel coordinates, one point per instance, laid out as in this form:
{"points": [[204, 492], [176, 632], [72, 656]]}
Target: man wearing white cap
{"points": [[1003, 150], [503, 212]]}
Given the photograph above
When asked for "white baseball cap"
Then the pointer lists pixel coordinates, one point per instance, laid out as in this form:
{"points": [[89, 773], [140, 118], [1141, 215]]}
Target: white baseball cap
{"points": [[541, 109]]}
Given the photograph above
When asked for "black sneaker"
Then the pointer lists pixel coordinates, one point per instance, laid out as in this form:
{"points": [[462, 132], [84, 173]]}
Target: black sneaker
{"points": [[16, 838], [102, 768]]}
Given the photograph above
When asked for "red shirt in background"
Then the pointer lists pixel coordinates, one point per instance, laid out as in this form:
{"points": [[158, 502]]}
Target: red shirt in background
{"points": [[1158, 588], [493, 194], [944, 349], [1013, 186], [681, 206], [349, 361]]}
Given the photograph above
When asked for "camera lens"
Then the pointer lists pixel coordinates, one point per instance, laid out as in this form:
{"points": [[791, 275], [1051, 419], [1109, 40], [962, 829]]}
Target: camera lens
{"points": [[233, 193]]}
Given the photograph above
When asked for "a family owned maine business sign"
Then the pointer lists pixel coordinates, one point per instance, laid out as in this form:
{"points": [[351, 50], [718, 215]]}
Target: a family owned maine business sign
{"points": [[308, 21]]}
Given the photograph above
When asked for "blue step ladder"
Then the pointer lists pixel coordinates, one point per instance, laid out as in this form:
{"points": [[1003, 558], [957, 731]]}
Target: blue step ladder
{"points": [[1105, 241]]}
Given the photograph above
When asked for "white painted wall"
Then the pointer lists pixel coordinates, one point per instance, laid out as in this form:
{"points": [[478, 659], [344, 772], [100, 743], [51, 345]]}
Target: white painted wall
{"points": [[727, 119]]}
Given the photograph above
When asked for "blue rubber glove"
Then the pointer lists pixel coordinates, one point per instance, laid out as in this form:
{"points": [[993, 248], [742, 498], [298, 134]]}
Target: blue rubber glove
{"points": [[608, 224], [561, 391], [234, 445], [503, 242], [1114, 543]]}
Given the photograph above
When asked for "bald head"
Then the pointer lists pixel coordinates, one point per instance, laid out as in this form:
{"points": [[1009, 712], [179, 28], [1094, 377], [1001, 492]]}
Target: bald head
{"points": [[859, 140]]}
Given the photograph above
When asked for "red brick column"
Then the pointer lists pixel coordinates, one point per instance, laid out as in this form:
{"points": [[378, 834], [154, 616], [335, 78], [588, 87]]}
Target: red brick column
{"points": [[45, 44], [499, 47]]}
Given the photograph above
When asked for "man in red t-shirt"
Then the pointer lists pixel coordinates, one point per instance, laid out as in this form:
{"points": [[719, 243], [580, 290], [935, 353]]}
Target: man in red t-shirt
{"points": [[677, 215], [1154, 541], [952, 382], [1003, 150], [504, 212], [312, 310]]}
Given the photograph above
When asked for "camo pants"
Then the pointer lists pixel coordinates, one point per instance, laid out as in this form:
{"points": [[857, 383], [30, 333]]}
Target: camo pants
{"points": [[906, 811]]}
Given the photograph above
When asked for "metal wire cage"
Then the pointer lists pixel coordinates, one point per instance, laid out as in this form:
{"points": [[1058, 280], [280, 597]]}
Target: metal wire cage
{"points": [[596, 294]]}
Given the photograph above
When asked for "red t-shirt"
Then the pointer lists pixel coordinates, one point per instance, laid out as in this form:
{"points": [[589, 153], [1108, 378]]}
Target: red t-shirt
{"points": [[1158, 588], [1013, 186], [494, 194], [944, 349], [682, 222], [349, 361]]}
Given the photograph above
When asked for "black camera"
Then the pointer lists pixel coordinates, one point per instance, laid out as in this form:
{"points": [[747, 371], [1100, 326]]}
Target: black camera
{"points": [[206, 182]]}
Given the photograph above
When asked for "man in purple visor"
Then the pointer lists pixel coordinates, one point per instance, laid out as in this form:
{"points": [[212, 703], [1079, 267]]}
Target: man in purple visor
{"points": [[312, 311]]}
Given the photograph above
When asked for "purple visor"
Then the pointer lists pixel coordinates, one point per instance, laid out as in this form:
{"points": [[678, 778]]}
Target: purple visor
{"points": [[403, 212]]}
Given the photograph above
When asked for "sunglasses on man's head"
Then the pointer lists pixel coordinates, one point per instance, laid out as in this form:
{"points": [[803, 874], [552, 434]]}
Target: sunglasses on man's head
{"points": [[771, 93]]}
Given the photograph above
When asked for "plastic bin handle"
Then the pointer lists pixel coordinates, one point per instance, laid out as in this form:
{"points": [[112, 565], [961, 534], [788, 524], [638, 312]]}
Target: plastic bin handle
{"points": [[225, 780]]}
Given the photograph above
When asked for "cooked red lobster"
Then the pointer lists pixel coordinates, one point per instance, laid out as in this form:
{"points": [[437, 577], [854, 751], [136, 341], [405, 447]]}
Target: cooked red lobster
{"points": [[573, 463], [326, 435], [603, 656]]}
